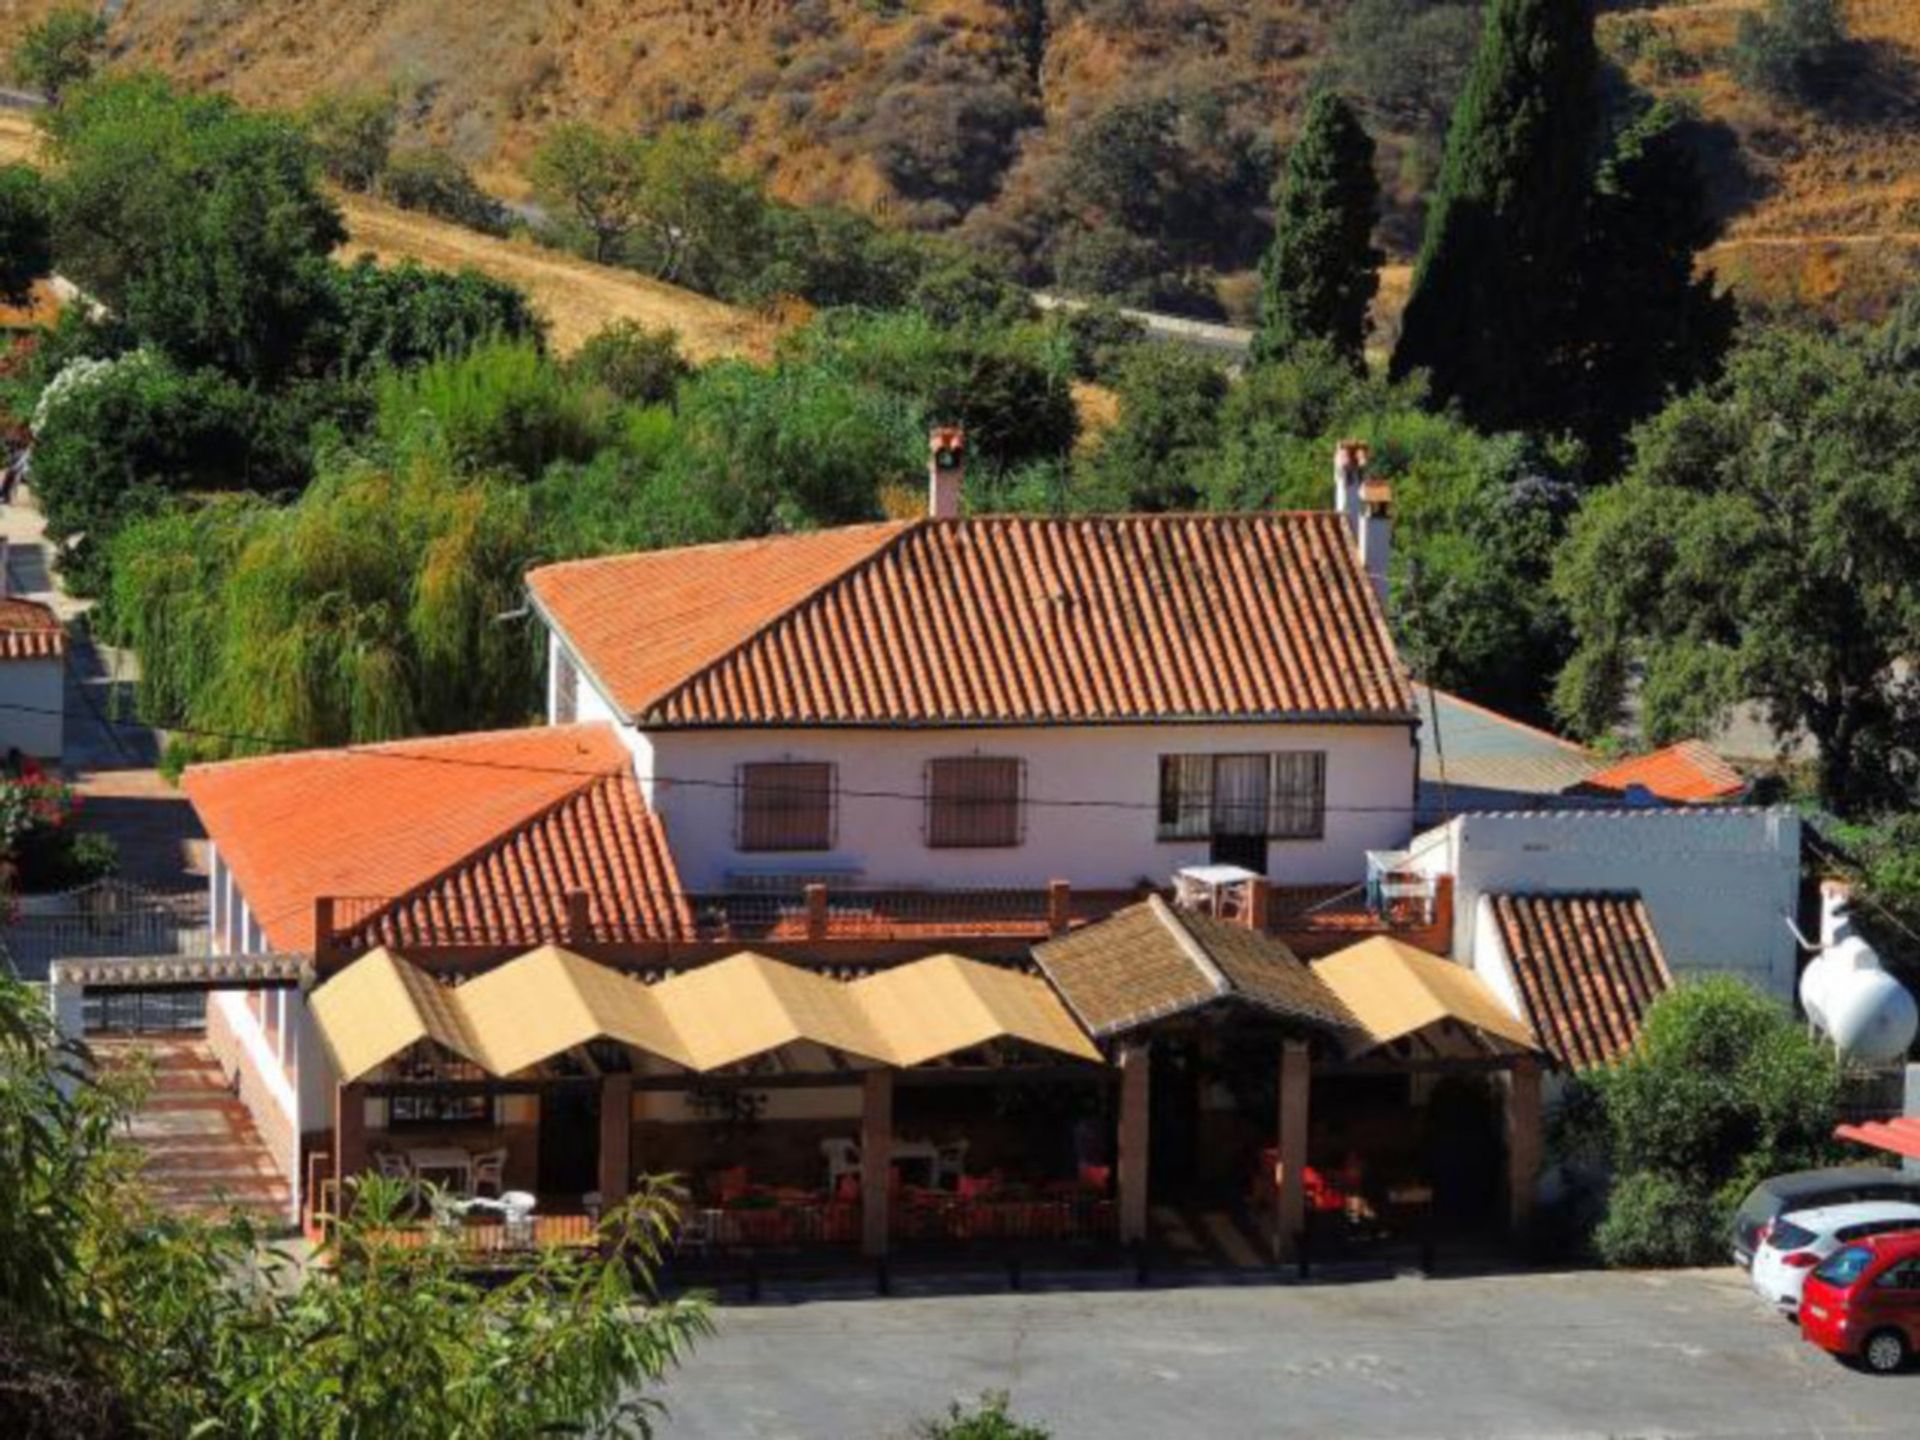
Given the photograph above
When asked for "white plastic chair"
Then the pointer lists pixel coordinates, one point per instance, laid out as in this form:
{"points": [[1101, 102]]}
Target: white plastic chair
{"points": [[843, 1158], [490, 1172]]}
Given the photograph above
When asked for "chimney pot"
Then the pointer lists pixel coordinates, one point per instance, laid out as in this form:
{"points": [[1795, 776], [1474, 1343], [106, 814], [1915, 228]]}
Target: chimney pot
{"points": [[946, 470], [1350, 459]]}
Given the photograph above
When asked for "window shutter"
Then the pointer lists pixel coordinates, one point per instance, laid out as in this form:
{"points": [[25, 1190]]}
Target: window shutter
{"points": [[975, 802], [787, 805]]}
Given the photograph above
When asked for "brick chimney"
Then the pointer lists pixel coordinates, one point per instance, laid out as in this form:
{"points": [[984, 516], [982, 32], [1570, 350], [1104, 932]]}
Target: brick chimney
{"points": [[946, 471], [1349, 473]]}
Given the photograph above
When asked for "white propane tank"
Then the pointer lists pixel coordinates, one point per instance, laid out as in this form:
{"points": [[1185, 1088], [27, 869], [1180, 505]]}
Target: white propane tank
{"points": [[1848, 995]]}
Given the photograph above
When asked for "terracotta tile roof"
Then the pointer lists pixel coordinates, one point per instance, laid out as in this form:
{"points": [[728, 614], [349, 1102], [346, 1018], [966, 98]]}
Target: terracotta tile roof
{"points": [[601, 840], [1587, 967], [1689, 773], [30, 631], [1150, 961], [461, 824], [991, 620]]}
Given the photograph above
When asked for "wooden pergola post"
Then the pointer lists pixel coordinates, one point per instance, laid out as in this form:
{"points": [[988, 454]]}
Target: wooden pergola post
{"points": [[1290, 1200], [349, 1140], [1524, 1142], [876, 1161], [1135, 1114], [616, 1139]]}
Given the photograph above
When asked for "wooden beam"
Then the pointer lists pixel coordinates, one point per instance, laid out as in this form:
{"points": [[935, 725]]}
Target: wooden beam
{"points": [[1524, 1140], [1074, 1074], [1290, 1202], [1136, 1068], [876, 1162], [616, 1139], [349, 1138]]}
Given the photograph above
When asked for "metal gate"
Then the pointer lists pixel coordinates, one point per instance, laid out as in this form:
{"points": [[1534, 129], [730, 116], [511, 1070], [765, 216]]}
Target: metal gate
{"points": [[106, 918]]}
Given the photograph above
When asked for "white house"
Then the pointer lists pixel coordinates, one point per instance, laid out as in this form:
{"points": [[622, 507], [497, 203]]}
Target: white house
{"points": [[1000, 701]]}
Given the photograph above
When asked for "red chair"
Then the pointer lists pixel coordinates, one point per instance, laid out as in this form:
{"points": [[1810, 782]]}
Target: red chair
{"points": [[1096, 1178], [731, 1184]]}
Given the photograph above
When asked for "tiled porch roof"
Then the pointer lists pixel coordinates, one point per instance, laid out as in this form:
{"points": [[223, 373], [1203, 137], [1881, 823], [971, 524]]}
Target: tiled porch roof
{"points": [[1587, 967]]}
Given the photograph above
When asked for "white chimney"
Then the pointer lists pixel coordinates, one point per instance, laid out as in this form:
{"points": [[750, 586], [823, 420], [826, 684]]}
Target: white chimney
{"points": [[1376, 533], [1349, 473], [946, 471]]}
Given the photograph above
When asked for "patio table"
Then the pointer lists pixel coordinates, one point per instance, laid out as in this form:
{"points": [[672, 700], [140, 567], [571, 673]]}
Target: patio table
{"points": [[444, 1162]]}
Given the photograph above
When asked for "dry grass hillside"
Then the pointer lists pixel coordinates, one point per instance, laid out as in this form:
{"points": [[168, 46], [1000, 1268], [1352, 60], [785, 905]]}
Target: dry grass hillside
{"points": [[576, 297], [934, 111]]}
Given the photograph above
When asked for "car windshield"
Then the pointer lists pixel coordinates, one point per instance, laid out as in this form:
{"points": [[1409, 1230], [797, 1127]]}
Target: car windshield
{"points": [[1843, 1267], [1786, 1235]]}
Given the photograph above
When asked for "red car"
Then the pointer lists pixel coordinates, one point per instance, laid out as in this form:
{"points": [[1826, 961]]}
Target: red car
{"points": [[1863, 1302]]}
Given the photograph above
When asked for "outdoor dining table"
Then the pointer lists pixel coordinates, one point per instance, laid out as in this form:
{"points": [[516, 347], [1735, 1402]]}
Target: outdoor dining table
{"points": [[444, 1163]]}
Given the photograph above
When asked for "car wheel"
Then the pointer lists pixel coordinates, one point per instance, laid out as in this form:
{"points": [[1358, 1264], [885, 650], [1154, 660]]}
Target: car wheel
{"points": [[1885, 1351]]}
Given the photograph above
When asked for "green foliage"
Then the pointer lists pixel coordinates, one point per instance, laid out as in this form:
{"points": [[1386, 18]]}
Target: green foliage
{"points": [[1760, 548], [1099, 336], [1648, 326], [26, 233], [502, 406], [40, 850], [1405, 60], [595, 179], [1885, 855], [1170, 400], [352, 135], [367, 609], [1493, 288], [638, 365], [113, 440], [1319, 277], [1655, 1221], [987, 1419], [435, 183], [1011, 389], [835, 257], [198, 224], [392, 317], [1789, 51], [196, 1329], [1723, 1090], [61, 51]]}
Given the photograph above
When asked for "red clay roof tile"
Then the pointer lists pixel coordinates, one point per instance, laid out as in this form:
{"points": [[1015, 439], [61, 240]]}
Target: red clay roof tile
{"points": [[471, 820], [30, 631], [1690, 772], [1587, 965], [990, 620]]}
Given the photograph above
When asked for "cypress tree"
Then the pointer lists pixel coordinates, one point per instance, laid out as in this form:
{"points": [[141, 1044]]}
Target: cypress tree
{"points": [[1493, 287], [1320, 274]]}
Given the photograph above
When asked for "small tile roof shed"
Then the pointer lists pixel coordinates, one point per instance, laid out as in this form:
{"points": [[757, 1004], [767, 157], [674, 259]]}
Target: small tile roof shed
{"points": [[1689, 773], [30, 631], [1150, 961], [996, 620], [1587, 967], [488, 829]]}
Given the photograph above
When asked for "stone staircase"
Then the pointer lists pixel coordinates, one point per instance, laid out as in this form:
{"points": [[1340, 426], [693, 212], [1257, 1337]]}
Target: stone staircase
{"points": [[203, 1154]]}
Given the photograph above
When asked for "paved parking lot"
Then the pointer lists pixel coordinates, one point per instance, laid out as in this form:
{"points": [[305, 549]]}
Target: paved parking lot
{"points": [[1531, 1357]]}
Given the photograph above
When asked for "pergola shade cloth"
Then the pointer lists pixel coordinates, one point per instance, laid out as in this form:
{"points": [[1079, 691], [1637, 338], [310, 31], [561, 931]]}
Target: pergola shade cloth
{"points": [[551, 1001], [1396, 990]]}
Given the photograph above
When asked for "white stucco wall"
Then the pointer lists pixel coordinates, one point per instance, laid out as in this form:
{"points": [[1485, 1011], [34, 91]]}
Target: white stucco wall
{"points": [[589, 703], [689, 779], [1718, 884], [32, 697]]}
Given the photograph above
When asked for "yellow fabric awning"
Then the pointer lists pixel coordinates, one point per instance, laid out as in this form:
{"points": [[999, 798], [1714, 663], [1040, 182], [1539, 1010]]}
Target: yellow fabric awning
{"points": [[379, 1006], [550, 1000], [1395, 990], [945, 1003]]}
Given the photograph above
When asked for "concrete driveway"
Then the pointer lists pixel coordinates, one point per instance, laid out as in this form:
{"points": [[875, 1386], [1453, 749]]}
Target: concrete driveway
{"points": [[1532, 1357]]}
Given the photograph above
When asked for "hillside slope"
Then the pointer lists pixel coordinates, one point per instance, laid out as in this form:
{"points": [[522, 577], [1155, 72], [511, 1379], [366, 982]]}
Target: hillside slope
{"points": [[931, 112], [576, 297]]}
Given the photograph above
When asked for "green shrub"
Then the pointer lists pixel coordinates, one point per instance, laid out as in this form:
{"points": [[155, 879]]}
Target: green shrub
{"points": [[1654, 1220], [61, 51], [986, 1419], [639, 365], [1789, 51], [1099, 338], [502, 406], [395, 316], [353, 135], [433, 182]]}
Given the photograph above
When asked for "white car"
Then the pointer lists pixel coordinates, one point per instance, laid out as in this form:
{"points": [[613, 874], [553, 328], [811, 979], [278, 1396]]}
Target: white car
{"points": [[1792, 1244]]}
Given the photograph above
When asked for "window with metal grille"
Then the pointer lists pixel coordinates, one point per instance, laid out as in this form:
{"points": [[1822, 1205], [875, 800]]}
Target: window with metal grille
{"points": [[974, 802], [786, 805], [566, 687], [1281, 795]]}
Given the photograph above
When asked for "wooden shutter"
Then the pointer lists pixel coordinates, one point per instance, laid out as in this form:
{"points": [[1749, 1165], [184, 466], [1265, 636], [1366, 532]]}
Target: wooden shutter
{"points": [[974, 802], [786, 805]]}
